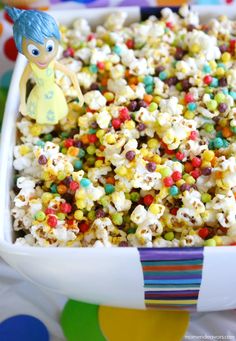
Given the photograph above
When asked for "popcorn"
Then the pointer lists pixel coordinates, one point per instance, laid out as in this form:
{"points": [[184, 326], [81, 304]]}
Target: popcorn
{"points": [[138, 215], [103, 119], [149, 160], [200, 41], [121, 204], [115, 21], [95, 100]]}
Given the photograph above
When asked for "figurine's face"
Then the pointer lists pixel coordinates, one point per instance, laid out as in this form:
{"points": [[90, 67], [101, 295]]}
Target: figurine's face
{"points": [[41, 55]]}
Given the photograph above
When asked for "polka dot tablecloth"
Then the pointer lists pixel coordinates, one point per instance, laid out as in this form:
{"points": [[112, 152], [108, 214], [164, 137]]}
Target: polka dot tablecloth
{"points": [[29, 313]]}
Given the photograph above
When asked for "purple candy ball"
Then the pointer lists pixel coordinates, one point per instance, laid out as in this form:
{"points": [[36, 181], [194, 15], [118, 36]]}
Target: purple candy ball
{"points": [[206, 171], [222, 107], [42, 160], [130, 155], [151, 166]]}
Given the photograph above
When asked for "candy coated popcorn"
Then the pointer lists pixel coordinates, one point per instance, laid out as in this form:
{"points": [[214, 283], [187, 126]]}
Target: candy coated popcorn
{"points": [[149, 160]]}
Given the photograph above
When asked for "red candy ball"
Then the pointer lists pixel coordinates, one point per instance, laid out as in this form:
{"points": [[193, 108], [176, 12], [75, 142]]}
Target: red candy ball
{"points": [[83, 227], [116, 123], [232, 44], [124, 114], [193, 135], [207, 79], [49, 211], [179, 156], [169, 151], [73, 186], [169, 24], [70, 51], [65, 207], [188, 98], [203, 232], [174, 210], [68, 143], [101, 65], [196, 162], [195, 173], [130, 43], [91, 36], [52, 220], [176, 175], [92, 138], [168, 181], [148, 200]]}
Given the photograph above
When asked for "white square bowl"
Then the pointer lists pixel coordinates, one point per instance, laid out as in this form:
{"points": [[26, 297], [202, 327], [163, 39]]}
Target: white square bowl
{"points": [[107, 276]]}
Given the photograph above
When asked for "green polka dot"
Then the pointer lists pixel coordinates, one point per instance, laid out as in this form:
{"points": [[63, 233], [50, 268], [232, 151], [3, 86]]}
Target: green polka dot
{"points": [[80, 322]]}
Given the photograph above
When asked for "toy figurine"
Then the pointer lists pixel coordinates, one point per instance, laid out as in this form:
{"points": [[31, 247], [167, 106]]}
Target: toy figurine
{"points": [[37, 36]]}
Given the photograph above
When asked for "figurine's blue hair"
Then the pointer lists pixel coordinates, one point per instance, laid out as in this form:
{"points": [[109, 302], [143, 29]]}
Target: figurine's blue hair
{"points": [[33, 25]]}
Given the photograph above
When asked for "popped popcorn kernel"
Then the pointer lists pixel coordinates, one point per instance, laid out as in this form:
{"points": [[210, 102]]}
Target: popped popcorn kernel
{"points": [[149, 160]]}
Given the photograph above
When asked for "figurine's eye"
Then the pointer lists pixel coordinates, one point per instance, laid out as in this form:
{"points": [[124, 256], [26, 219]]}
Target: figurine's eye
{"points": [[50, 45], [33, 50]]}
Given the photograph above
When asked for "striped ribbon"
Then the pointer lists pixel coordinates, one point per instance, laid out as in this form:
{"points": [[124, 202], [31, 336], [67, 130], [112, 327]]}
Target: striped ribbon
{"points": [[172, 277]]}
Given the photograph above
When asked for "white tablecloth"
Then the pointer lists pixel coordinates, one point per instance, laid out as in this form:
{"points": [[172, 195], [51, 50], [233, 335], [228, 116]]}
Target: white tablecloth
{"points": [[18, 296]]}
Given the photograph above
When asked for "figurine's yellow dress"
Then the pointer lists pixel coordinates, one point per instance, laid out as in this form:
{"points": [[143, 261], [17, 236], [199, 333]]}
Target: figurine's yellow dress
{"points": [[46, 102]]}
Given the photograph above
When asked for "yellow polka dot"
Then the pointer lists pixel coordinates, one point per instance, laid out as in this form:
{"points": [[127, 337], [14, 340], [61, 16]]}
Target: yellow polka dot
{"points": [[125, 324]]}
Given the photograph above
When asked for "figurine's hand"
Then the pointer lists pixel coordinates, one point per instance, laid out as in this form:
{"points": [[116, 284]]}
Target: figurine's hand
{"points": [[23, 109], [81, 100], [80, 96]]}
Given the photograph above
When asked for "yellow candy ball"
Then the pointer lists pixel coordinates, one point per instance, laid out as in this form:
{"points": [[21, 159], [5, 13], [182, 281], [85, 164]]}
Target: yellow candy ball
{"points": [[122, 171], [223, 122], [110, 139], [226, 57], [109, 96], [154, 208], [212, 64], [35, 130], [218, 240], [206, 164], [156, 99], [195, 48], [24, 150], [80, 204], [153, 143], [157, 159], [220, 72], [46, 197], [100, 133], [180, 182], [108, 65], [208, 155], [189, 115], [98, 163], [129, 125], [190, 180], [144, 152], [78, 214]]}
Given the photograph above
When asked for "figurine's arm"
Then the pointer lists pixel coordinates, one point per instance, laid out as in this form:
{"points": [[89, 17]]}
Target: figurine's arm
{"points": [[73, 78], [23, 81]]}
